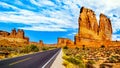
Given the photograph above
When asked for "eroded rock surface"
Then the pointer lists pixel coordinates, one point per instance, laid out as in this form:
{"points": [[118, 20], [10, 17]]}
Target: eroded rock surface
{"points": [[89, 30]]}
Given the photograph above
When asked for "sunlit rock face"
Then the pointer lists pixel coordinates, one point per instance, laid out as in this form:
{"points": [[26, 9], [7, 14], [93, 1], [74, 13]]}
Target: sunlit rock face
{"points": [[65, 42], [18, 34], [4, 33], [41, 43], [89, 31], [14, 37], [87, 20]]}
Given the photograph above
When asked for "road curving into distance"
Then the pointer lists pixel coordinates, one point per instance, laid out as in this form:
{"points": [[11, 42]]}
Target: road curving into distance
{"points": [[37, 60]]}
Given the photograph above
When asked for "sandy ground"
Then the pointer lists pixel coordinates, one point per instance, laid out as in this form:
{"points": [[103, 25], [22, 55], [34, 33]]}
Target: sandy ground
{"points": [[58, 61]]}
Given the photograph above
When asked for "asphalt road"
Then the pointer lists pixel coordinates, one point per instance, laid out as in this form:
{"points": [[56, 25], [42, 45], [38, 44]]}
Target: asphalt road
{"points": [[37, 60]]}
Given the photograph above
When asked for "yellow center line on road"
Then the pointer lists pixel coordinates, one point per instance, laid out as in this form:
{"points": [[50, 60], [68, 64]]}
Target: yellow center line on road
{"points": [[19, 61]]}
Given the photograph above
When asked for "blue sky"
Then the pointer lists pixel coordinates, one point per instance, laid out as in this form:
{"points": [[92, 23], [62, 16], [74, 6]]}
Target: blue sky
{"points": [[49, 19]]}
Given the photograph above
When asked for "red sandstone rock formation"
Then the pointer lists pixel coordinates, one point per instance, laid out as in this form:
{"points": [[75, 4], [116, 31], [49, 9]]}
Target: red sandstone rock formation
{"points": [[89, 32], [88, 26], [87, 19], [14, 36], [4, 34], [13, 33], [64, 42], [20, 34], [105, 28], [41, 43]]}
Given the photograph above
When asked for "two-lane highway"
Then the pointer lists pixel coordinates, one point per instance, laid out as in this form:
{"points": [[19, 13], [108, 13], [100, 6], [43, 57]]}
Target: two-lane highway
{"points": [[37, 60]]}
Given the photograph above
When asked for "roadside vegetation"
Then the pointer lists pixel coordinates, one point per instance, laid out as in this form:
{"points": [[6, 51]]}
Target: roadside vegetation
{"points": [[72, 59], [85, 57], [15, 51]]}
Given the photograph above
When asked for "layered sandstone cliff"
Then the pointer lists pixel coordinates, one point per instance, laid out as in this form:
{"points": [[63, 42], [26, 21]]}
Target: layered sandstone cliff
{"points": [[89, 31]]}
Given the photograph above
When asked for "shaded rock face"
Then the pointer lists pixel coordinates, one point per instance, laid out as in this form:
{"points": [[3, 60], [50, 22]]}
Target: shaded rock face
{"points": [[105, 28], [89, 30]]}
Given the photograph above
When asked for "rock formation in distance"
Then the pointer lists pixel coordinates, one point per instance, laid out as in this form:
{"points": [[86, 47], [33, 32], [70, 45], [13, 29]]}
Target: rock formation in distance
{"points": [[14, 37]]}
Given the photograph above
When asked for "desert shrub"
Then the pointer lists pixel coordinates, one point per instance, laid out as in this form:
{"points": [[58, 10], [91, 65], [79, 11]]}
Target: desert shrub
{"points": [[72, 60], [65, 63], [34, 48], [91, 62], [83, 47], [102, 46], [76, 48], [113, 59], [7, 49], [45, 48], [30, 48], [10, 49], [65, 47]]}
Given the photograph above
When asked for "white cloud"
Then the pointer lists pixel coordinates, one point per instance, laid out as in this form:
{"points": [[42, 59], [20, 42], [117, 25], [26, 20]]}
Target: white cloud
{"points": [[5, 5], [72, 34], [115, 24], [116, 37], [41, 3], [43, 28]]}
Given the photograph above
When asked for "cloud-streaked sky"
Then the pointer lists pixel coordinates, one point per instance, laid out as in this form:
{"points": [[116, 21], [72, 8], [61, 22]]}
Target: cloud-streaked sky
{"points": [[49, 19]]}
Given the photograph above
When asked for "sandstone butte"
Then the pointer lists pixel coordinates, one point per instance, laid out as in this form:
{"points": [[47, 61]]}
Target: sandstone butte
{"points": [[13, 38], [90, 32]]}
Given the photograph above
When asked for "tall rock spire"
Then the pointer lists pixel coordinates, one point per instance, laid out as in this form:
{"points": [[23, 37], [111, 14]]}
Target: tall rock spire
{"points": [[88, 19], [105, 28], [89, 30], [87, 22]]}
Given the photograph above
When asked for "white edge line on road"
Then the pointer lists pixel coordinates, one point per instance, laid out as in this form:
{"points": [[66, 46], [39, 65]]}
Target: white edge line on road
{"points": [[50, 59]]}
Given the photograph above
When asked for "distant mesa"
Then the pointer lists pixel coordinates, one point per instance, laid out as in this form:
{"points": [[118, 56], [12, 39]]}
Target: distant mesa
{"points": [[90, 33], [18, 38], [64, 41], [13, 37]]}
